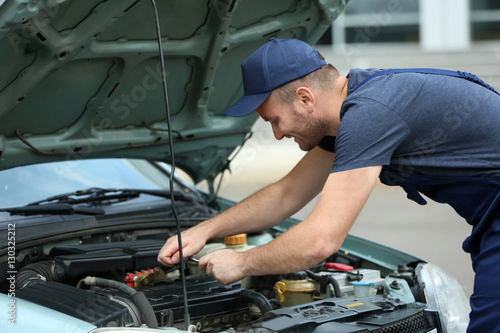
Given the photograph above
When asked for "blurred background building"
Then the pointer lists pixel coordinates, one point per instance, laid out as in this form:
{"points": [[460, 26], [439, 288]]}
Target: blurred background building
{"points": [[434, 24], [450, 34]]}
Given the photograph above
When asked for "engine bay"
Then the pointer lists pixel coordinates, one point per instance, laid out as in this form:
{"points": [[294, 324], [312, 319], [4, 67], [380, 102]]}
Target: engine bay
{"points": [[120, 284]]}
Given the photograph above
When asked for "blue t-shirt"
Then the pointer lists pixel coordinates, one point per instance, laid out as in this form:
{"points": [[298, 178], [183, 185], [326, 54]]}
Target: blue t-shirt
{"points": [[424, 124]]}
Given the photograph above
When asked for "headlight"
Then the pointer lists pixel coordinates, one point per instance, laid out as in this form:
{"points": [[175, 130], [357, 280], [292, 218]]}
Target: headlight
{"points": [[444, 293]]}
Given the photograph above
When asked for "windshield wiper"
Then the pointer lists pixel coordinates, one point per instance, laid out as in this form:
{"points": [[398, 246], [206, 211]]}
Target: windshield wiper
{"points": [[53, 209], [108, 196], [64, 204]]}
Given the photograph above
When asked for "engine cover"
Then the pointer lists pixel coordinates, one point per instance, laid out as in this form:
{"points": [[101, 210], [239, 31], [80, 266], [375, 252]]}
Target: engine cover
{"points": [[207, 300], [371, 314], [211, 304], [97, 309]]}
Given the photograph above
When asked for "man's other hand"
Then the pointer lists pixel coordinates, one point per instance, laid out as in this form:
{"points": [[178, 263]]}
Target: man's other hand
{"points": [[193, 242], [226, 266]]}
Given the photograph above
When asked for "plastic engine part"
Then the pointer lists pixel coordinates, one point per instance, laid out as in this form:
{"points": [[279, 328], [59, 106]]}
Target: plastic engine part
{"points": [[371, 314], [207, 299], [99, 310], [344, 280]]}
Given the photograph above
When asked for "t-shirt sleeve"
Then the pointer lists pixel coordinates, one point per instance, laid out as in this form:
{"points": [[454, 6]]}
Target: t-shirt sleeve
{"points": [[328, 143], [368, 135]]}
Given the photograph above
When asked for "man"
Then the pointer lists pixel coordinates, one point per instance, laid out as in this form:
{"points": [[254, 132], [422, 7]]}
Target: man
{"points": [[430, 133]]}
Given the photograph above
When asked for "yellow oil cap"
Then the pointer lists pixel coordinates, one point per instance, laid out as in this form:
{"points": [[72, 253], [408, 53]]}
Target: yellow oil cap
{"points": [[236, 239]]}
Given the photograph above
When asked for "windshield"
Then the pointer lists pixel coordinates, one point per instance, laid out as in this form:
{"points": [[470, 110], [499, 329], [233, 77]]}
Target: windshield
{"points": [[22, 185]]}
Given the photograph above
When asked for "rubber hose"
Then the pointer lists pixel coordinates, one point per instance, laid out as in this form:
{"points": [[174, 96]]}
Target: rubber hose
{"points": [[146, 309], [258, 299], [336, 286], [35, 273], [331, 280], [276, 303], [138, 297]]}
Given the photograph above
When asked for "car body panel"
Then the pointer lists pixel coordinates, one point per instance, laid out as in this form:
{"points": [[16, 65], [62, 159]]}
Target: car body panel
{"points": [[379, 254], [41, 319], [91, 70]]}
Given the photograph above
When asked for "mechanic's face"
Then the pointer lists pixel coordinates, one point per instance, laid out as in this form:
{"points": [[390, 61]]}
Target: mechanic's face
{"points": [[287, 121]]}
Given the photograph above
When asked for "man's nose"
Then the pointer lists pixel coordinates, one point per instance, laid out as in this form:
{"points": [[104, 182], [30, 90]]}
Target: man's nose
{"points": [[277, 133]]}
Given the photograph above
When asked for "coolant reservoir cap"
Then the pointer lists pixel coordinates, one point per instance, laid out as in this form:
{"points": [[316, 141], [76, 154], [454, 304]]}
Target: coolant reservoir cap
{"points": [[236, 239], [295, 276]]}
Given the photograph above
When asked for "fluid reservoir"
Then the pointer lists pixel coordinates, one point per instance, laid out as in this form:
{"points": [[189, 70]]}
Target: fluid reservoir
{"points": [[294, 289], [194, 268], [239, 243]]}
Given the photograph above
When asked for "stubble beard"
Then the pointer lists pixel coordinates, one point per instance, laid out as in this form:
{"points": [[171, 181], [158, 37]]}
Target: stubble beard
{"points": [[314, 130]]}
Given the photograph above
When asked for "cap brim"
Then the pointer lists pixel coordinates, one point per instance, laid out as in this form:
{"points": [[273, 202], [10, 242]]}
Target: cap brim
{"points": [[246, 105]]}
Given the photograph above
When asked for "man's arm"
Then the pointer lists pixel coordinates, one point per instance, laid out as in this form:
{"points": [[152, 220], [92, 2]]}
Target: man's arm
{"points": [[307, 243], [261, 210]]}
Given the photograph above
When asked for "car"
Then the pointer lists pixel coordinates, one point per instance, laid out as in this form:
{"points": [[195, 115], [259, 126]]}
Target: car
{"points": [[107, 131]]}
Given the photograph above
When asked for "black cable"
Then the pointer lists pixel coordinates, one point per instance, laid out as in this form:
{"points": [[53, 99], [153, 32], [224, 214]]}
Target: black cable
{"points": [[187, 319]]}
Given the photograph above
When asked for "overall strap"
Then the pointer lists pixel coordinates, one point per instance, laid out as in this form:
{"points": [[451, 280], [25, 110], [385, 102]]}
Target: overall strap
{"points": [[463, 75]]}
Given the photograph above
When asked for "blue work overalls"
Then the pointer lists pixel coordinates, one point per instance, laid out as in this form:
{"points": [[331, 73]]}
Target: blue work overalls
{"points": [[477, 200]]}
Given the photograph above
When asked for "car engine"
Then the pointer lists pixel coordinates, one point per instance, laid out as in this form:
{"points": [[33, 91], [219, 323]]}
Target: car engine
{"points": [[119, 284]]}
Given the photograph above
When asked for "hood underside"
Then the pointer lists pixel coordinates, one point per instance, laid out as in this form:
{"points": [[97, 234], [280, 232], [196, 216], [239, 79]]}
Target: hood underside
{"points": [[82, 79]]}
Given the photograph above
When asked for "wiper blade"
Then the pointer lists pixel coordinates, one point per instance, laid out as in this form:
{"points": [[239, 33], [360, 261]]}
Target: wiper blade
{"points": [[53, 209], [64, 204], [110, 195]]}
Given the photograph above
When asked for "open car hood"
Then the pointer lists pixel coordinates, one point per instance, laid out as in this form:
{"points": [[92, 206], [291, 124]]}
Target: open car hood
{"points": [[82, 79]]}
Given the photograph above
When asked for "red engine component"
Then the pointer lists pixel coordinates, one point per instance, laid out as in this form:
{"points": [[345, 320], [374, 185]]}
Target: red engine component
{"points": [[338, 266], [131, 277]]}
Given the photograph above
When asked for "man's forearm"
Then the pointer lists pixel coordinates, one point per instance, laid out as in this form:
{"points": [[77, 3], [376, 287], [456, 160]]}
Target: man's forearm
{"points": [[290, 252], [322, 233], [276, 202], [255, 213], [260, 211]]}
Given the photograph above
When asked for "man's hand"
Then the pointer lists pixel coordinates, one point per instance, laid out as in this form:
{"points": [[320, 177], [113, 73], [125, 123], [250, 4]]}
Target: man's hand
{"points": [[226, 266], [193, 241]]}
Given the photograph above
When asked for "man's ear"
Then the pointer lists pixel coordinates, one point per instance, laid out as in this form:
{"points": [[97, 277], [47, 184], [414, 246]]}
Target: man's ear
{"points": [[305, 98]]}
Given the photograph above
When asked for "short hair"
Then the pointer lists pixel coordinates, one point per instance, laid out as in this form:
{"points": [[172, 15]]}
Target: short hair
{"points": [[323, 79]]}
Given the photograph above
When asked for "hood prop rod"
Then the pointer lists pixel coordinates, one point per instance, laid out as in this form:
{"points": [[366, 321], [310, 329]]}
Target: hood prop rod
{"points": [[187, 318]]}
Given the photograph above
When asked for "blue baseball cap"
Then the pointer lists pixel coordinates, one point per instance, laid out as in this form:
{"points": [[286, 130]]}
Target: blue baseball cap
{"points": [[272, 65]]}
